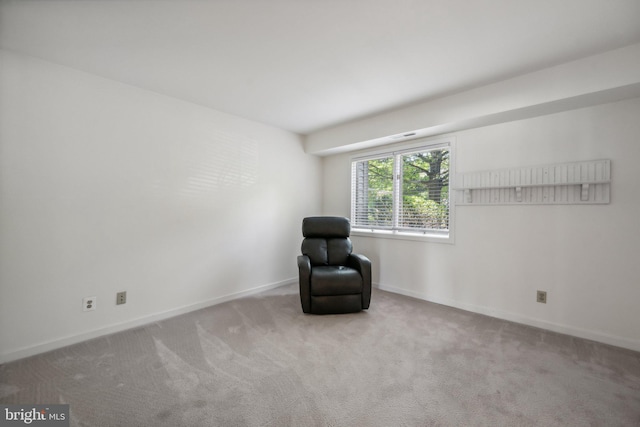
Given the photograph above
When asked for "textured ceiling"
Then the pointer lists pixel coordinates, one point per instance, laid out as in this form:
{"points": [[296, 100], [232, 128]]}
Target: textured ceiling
{"points": [[304, 65]]}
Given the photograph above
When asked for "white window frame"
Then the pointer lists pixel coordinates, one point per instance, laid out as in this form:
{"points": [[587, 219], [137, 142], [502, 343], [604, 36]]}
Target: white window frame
{"points": [[395, 151]]}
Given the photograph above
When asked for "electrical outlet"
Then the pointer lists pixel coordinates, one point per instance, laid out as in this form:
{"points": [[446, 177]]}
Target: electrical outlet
{"points": [[541, 296], [121, 298], [89, 303]]}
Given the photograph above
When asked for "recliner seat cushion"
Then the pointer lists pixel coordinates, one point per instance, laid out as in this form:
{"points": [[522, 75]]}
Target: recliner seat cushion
{"points": [[335, 280]]}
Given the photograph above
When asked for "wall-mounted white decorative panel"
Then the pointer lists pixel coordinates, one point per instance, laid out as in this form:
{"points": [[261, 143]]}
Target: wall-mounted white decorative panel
{"points": [[566, 183]]}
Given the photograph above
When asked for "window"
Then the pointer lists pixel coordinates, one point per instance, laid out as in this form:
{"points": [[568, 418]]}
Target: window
{"points": [[404, 192]]}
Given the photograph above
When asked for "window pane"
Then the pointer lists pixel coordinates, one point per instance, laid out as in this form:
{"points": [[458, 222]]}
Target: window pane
{"points": [[406, 192], [425, 190], [374, 193]]}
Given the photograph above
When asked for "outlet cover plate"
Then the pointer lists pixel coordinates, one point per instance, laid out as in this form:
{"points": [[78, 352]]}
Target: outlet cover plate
{"points": [[89, 303], [121, 298], [541, 296]]}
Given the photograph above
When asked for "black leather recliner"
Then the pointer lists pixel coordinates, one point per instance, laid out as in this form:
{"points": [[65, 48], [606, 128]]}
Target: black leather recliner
{"points": [[332, 279]]}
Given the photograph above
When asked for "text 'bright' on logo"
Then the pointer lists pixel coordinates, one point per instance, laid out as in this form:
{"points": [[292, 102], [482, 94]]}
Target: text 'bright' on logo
{"points": [[37, 415]]}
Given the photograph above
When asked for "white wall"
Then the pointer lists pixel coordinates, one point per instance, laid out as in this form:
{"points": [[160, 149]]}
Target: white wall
{"points": [[584, 256], [105, 187]]}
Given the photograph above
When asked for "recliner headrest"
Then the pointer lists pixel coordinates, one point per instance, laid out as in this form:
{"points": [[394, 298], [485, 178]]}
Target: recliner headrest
{"points": [[326, 226]]}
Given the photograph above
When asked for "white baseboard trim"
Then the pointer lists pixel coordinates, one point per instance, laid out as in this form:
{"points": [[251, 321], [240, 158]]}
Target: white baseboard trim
{"points": [[134, 323], [517, 318]]}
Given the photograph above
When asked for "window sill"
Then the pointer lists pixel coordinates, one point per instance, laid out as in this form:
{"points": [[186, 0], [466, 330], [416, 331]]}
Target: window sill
{"points": [[384, 234]]}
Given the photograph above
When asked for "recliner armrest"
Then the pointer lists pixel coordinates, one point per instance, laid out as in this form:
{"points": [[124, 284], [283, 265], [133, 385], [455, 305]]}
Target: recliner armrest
{"points": [[360, 263], [304, 264], [363, 265], [304, 276]]}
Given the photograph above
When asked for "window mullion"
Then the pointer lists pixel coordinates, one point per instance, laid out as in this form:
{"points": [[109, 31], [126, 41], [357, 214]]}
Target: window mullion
{"points": [[397, 189]]}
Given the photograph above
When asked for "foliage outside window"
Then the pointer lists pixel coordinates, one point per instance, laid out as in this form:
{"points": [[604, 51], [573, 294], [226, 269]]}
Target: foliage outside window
{"points": [[403, 192]]}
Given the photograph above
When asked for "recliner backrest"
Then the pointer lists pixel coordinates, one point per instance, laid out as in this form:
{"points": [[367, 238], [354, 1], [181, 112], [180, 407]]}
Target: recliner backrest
{"points": [[326, 240]]}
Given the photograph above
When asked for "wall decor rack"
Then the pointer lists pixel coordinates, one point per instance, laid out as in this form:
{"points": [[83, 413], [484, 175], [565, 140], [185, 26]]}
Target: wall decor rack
{"points": [[586, 182]]}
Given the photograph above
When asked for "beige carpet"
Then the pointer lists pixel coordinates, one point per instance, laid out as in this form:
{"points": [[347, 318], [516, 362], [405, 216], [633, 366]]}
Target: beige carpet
{"points": [[259, 361]]}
